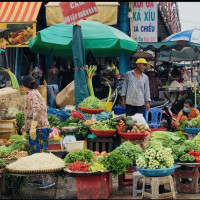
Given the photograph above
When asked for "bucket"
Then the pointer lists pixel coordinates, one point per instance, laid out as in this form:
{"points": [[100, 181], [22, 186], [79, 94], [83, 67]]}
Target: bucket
{"points": [[108, 107]]}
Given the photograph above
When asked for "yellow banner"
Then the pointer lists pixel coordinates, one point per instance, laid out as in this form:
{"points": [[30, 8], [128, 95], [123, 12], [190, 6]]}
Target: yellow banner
{"points": [[106, 15], [17, 34]]}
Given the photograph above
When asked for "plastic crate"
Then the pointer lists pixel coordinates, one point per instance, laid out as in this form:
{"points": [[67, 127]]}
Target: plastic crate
{"points": [[118, 110], [192, 130], [157, 172]]}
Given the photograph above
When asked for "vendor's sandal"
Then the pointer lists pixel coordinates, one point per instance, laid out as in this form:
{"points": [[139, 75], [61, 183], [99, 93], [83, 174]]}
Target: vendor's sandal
{"points": [[46, 185]]}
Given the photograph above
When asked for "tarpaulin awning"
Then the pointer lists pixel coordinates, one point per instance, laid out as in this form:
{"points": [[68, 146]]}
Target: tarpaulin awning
{"points": [[19, 11], [107, 13]]}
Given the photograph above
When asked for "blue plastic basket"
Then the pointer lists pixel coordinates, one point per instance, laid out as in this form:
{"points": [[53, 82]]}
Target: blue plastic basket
{"points": [[118, 110], [192, 130], [157, 172]]}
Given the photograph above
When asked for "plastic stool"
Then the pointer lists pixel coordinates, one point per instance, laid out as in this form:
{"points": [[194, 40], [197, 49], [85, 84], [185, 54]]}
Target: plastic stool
{"points": [[155, 122], [155, 182], [136, 176]]}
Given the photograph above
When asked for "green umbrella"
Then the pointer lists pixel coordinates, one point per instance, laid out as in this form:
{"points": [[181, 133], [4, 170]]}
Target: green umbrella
{"points": [[100, 39], [80, 83]]}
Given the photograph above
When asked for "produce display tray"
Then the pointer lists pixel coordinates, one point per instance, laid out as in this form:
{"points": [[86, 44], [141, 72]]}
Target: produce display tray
{"points": [[132, 136], [92, 111], [192, 130], [85, 173], [157, 172], [103, 134], [188, 164], [34, 171]]}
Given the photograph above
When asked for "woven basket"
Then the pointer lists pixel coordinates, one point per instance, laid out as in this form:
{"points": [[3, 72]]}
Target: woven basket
{"points": [[66, 96], [103, 134], [35, 171]]}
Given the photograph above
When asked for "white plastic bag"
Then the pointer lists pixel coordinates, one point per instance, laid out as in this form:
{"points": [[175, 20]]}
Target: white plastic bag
{"points": [[139, 119]]}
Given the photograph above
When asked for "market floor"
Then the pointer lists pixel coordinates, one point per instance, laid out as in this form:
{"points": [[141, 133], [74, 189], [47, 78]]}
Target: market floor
{"points": [[67, 190]]}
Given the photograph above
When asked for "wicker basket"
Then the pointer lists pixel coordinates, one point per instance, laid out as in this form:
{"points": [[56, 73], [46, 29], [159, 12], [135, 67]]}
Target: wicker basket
{"points": [[66, 96], [7, 128], [103, 134]]}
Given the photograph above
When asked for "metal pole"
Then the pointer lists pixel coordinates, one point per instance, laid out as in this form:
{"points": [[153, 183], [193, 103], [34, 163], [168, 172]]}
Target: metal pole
{"points": [[155, 57]]}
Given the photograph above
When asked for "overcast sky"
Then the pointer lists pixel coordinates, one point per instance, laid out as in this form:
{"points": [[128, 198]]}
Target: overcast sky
{"points": [[189, 13]]}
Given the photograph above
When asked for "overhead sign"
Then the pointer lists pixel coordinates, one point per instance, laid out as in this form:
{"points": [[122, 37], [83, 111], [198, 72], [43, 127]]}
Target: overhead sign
{"points": [[74, 11], [145, 19], [17, 34]]}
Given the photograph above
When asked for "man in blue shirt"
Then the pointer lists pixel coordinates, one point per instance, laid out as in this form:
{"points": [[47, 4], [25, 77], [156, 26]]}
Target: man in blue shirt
{"points": [[136, 89]]}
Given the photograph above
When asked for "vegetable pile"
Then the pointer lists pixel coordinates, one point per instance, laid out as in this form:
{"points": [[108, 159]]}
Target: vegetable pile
{"points": [[156, 157], [91, 102], [129, 126], [104, 125], [193, 123]]}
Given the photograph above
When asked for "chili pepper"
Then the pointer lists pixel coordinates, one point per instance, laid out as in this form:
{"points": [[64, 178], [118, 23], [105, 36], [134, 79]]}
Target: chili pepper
{"points": [[192, 153], [197, 159], [198, 153]]}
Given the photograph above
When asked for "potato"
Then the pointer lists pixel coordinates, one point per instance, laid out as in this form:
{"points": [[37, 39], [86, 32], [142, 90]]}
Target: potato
{"points": [[149, 129], [143, 131], [135, 127], [128, 131], [138, 131]]}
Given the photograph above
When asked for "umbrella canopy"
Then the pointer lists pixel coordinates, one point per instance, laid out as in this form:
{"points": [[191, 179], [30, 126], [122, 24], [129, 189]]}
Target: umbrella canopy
{"points": [[192, 35], [80, 83], [191, 50], [100, 39]]}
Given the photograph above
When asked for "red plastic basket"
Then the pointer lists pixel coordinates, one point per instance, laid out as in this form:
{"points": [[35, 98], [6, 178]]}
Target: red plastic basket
{"points": [[158, 129], [92, 111], [103, 134], [132, 136]]}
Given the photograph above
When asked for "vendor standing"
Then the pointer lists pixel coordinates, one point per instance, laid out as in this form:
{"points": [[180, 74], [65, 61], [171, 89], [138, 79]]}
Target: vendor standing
{"points": [[187, 113], [36, 123], [136, 89]]}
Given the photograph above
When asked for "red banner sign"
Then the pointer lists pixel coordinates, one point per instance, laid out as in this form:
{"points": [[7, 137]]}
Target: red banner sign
{"points": [[74, 11]]}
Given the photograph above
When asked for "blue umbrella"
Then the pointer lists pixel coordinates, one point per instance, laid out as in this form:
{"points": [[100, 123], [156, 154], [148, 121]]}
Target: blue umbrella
{"points": [[78, 50], [190, 39]]}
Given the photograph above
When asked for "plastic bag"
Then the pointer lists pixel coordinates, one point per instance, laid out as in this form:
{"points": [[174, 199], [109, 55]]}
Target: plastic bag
{"points": [[139, 118], [55, 132]]}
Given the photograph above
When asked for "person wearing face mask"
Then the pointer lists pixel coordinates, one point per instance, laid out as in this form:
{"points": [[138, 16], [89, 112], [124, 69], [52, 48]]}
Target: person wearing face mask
{"points": [[187, 113]]}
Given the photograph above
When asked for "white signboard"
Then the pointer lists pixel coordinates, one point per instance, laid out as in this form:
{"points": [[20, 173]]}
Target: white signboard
{"points": [[144, 26]]}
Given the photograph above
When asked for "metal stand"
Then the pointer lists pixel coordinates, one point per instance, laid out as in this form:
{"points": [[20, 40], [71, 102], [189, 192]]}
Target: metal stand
{"points": [[18, 196]]}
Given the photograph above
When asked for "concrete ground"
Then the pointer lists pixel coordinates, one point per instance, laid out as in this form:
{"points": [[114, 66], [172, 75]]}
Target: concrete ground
{"points": [[67, 190]]}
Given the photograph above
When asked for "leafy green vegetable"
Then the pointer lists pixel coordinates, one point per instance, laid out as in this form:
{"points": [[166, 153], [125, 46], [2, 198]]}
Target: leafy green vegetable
{"points": [[116, 163], [2, 164], [92, 102], [96, 167], [18, 145], [4, 151], [194, 123], [130, 151], [80, 155], [167, 138], [53, 121], [20, 120], [104, 125], [15, 138]]}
